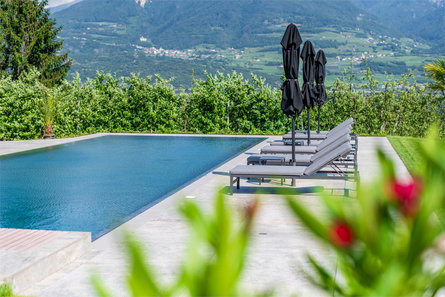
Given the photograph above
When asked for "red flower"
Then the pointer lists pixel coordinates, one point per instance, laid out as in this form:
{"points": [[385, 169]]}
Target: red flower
{"points": [[407, 195], [341, 234]]}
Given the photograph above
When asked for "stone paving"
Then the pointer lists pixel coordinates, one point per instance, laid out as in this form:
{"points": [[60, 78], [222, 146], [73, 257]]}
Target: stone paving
{"points": [[277, 253], [28, 256]]}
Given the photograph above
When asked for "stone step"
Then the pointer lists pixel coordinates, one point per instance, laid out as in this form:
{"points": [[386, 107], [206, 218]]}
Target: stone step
{"points": [[28, 256]]}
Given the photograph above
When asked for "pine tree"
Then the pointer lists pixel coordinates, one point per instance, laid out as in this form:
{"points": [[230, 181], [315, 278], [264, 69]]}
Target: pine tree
{"points": [[28, 38]]}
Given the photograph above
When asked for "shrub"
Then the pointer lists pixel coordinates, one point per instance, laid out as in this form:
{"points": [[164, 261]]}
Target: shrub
{"points": [[218, 104]]}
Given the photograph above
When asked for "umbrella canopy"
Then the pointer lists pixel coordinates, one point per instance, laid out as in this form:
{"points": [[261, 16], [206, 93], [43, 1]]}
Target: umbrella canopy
{"points": [[292, 99], [309, 91], [320, 75]]}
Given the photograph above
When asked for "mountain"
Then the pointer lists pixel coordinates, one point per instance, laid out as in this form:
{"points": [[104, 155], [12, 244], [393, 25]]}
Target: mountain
{"points": [[414, 18], [184, 24], [173, 38]]}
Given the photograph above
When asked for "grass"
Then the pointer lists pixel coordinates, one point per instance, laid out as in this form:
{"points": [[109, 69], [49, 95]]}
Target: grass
{"points": [[5, 290], [406, 148]]}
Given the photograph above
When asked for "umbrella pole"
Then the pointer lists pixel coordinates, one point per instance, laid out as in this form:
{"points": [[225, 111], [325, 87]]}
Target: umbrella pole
{"points": [[318, 119], [308, 126], [293, 146], [293, 140]]}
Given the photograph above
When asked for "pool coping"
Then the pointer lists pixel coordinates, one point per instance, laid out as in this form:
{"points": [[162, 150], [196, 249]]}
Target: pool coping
{"points": [[8, 147]]}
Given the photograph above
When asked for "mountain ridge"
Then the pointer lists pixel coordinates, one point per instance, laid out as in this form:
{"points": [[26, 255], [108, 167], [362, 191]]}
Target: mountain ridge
{"points": [[225, 36]]}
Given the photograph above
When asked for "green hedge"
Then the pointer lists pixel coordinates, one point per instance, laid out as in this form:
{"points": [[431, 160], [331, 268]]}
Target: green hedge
{"points": [[218, 104]]}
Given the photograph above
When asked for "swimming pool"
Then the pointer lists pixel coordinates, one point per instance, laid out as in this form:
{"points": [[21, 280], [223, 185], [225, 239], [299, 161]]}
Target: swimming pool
{"points": [[97, 184]]}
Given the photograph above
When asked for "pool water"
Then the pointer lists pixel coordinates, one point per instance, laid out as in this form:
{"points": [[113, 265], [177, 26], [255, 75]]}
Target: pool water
{"points": [[95, 185]]}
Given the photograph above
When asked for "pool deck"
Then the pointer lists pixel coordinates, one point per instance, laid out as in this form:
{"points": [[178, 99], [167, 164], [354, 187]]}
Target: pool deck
{"points": [[279, 242]]}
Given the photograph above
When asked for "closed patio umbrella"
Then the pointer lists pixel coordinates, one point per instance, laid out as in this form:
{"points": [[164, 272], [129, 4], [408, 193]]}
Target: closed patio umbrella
{"points": [[320, 75], [309, 91], [292, 100]]}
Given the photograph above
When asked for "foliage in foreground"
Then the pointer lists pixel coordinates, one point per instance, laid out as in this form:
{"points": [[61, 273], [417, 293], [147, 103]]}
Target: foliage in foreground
{"points": [[214, 261], [6, 291], [391, 242]]}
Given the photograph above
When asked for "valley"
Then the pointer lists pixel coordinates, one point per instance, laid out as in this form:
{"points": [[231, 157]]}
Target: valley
{"points": [[183, 39]]}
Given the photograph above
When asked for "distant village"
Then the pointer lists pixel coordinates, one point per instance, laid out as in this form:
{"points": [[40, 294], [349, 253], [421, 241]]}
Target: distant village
{"points": [[239, 54]]}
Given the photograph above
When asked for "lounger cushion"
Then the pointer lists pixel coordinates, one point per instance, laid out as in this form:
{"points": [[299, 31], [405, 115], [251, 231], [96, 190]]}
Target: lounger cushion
{"points": [[285, 149], [333, 138], [328, 158], [281, 142], [309, 158], [303, 136], [348, 122], [300, 159], [305, 132], [341, 130], [268, 171], [326, 149], [322, 134]]}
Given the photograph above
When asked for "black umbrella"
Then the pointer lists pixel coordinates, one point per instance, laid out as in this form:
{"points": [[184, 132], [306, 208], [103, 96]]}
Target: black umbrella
{"points": [[320, 75], [309, 91], [292, 100]]}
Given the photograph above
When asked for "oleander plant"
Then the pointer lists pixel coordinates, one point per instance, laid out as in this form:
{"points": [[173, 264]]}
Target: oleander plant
{"points": [[390, 240]]}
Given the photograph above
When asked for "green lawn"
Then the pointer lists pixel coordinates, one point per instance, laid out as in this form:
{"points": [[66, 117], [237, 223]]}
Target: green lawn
{"points": [[406, 148]]}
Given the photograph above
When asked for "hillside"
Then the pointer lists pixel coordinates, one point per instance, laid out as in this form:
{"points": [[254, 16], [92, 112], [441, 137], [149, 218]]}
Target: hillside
{"points": [[423, 19], [131, 36]]}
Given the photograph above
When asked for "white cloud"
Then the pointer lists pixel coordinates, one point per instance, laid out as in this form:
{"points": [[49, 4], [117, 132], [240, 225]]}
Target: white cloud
{"points": [[53, 3]]}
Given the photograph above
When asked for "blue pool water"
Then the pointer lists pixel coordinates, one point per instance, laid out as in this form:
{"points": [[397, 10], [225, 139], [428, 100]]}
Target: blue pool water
{"points": [[95, 185]]}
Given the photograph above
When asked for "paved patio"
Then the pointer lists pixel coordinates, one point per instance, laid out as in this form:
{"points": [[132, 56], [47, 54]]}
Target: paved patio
{"points": [[279, 245]]}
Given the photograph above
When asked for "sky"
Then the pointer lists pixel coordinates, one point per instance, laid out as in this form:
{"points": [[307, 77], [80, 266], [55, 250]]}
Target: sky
{"points": [[52, 3]]}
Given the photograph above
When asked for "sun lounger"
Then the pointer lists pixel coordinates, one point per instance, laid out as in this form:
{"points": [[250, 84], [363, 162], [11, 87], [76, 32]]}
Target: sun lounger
{"points": [[313, 171], [315, 135], [300, 159], [309, 149], [314, 142]]}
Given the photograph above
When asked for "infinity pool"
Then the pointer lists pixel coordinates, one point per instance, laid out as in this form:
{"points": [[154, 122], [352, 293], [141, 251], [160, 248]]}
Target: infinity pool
{"points": [[95, 185]]}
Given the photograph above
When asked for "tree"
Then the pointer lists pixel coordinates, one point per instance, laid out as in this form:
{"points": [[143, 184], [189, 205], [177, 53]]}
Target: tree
{"points": [[28, 38], [436, 71]]}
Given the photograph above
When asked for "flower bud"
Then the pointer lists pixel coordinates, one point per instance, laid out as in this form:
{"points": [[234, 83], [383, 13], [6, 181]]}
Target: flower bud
{"points": [[407, 195], [341, 234]]}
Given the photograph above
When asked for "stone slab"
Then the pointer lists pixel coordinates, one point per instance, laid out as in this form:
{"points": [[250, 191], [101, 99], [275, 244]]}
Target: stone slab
{"points": [[28, 256]]}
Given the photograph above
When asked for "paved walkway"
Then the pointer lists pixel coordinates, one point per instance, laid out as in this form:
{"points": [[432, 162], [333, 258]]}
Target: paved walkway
{"points": [[279, 246]]}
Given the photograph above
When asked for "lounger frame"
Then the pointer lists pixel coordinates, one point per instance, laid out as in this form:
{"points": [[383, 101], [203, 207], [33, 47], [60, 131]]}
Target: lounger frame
{"points": [[329, 175]]}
